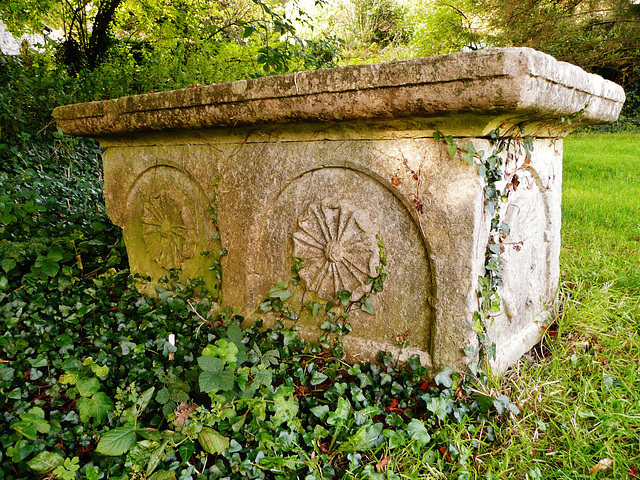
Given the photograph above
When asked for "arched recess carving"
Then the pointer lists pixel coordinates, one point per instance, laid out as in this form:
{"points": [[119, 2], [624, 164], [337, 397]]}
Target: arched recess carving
{"points": [[333, 217]]}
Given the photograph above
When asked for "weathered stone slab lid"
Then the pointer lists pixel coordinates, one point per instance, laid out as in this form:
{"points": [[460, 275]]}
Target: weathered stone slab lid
{"points": [[465, 93]]}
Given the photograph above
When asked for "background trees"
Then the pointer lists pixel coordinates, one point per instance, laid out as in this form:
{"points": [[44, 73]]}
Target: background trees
{"points": [[601, 36]]}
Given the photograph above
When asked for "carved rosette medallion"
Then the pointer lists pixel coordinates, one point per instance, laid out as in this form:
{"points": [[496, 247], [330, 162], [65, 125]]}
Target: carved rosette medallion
{"points": [[168, 229], [339, 245], [166, 225]]}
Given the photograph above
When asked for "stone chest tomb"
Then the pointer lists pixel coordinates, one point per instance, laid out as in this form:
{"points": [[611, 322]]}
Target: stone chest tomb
{"points": [[325, 165]]}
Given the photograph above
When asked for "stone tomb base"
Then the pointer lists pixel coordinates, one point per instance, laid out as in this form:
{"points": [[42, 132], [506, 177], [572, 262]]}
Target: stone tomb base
{"points": [[325, 165]]}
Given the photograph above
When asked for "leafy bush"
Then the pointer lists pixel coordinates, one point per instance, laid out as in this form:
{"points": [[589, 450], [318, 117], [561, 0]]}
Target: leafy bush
{"points": [[98, 381]]}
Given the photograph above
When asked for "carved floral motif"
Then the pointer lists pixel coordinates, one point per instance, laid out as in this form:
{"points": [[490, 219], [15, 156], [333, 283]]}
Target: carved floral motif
{"points": [[340, 249], [168, 229]]}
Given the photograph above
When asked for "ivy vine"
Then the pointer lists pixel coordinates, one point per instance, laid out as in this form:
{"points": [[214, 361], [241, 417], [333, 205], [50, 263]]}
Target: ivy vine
{"points": [[492, 173]]}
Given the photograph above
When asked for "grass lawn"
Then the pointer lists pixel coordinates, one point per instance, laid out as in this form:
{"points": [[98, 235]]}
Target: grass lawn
{"points": [[579, 399]]}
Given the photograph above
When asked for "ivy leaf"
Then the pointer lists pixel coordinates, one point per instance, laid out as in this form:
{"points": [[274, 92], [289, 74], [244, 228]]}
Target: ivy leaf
{"points": [[418, 432], [95, 407], [367, 306], [286, 406], [315, 308], [212, 442], [439, 406], [444, 377], [363, 439], [21, 450], [320, 411], [280, 291], [117, 442], [470, 148], [485, 402], [345, 297], [45, 462], [396, 438], [318, 378], [339, 417]]}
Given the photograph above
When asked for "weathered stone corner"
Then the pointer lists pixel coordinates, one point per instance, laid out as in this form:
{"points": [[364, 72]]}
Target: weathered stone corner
{"points": [[322, 164]]}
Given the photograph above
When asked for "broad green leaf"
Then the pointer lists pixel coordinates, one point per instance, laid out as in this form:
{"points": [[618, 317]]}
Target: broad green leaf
{"points": [[209, 381], [26, 429], [485, 402], [117, 441], [345, 297], [95, 407], [163, 475], [364, 439], [280, 291], [55, 255], [315, 307], [439, 406], [286, 405], [396, 438], [21, 450], [144, 400], [156, 456], [318, 378], [91, 473], [186, 450], [212, 442], [45, 462], [88, 386], [210, 364], [418, 432], [470, 147], [41, 425], [444, 377], [47, 266], [99, 371], [341, 414], [227, 351]]}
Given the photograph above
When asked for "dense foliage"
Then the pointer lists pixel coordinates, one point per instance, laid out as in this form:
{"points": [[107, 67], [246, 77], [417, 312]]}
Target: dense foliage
{"points": [[97, 381]]}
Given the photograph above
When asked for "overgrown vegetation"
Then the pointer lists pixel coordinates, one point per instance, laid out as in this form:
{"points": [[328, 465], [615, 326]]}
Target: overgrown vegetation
{"points": [[98, 381]]}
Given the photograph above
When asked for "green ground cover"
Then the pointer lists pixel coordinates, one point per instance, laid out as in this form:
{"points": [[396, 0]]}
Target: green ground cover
{"points": [[580, 402], [91, 386]]}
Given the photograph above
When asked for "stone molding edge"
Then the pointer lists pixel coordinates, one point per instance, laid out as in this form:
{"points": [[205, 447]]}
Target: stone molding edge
{"points": [[518, 82]]}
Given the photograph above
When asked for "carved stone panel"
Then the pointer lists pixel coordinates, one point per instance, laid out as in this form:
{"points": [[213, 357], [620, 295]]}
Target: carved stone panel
{"points": [[332, 218], [526, 256], [338, 243], [166, 226], [169, 228]]}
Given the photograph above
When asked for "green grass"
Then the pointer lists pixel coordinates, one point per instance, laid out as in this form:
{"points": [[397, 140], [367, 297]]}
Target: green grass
{"points": [[579, 400]]}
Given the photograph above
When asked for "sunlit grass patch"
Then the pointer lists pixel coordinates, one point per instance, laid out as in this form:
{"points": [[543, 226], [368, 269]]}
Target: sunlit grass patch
{"points": [[580, 403]]}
